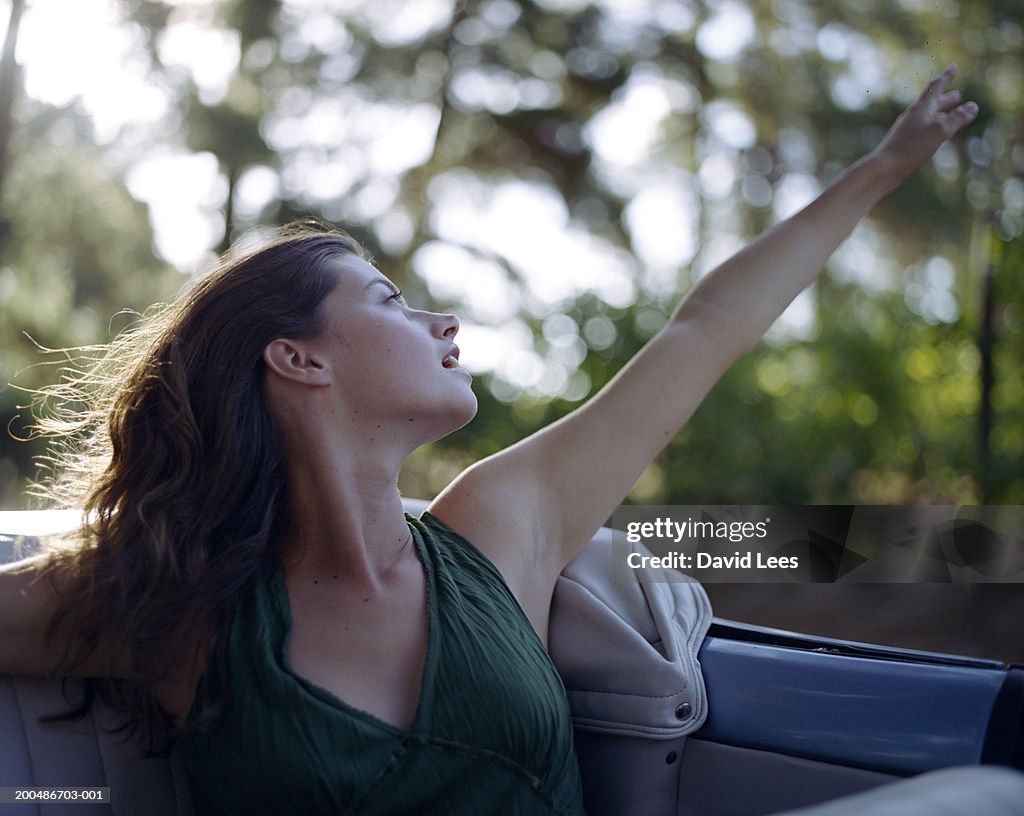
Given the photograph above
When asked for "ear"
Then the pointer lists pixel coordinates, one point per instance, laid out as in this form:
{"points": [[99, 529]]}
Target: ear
{"points": [[296, 362]]}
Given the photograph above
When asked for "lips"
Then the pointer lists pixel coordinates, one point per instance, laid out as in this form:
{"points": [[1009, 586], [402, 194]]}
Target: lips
{"points": [[451, 359]]}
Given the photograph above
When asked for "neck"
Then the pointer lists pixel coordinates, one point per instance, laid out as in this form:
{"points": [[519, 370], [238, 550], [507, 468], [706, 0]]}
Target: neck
{"points": [[346, 511]]}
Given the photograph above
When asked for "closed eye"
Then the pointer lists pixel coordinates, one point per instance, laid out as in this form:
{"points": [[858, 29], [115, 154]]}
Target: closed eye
{"points": [[394, 293]]}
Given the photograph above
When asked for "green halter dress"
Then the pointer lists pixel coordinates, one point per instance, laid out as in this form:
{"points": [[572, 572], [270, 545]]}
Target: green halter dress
{"points": [[492, 733]]}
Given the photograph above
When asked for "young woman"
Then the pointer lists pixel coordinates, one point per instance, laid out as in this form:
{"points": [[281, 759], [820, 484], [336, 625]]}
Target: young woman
{"points": [[246, 575]]}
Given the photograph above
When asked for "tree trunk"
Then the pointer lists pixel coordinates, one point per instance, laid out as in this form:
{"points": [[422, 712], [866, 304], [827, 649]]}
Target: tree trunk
{"points": [[8, 88], [986, 342], [232, 173]]}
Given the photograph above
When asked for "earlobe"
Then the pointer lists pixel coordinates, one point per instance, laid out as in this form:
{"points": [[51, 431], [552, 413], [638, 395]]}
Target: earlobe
{"points": [[294, 362]]}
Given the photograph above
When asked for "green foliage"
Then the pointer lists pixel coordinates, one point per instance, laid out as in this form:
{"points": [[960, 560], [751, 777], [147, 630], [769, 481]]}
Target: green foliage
{"points": [[78, 255], [876, 398]]}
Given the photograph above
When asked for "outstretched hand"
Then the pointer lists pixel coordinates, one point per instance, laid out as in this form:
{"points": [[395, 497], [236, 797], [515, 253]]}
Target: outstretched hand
{"points": [[923, 127]]}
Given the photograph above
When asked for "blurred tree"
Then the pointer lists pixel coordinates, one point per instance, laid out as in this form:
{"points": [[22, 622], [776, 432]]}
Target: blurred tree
{"points": [[558, 171], [79, 254], [8, 87]]}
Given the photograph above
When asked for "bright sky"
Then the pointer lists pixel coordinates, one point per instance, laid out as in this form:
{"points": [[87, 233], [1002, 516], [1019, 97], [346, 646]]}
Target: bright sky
{"points": [[76, 48]]}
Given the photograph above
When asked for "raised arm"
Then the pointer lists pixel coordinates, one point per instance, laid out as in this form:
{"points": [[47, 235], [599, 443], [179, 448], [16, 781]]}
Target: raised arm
{"points": [[761, 280], [557, 486]]}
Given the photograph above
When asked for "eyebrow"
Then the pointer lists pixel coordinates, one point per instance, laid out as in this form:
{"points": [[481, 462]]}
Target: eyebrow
{"points": [[382, 282]]}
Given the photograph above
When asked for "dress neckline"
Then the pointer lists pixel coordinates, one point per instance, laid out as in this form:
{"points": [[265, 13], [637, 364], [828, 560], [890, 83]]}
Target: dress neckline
{"points": [[421, 720]]}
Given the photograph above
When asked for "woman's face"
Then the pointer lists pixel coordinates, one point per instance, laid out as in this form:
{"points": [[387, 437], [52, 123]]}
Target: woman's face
{"points": [[392, 363]]}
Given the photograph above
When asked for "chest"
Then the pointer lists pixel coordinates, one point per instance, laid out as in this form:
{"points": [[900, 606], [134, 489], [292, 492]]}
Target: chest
{"points": [[490, 707], [367, 649]]}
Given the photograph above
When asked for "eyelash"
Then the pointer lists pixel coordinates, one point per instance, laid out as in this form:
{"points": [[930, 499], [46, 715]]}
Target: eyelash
{"points": [[397, 295]]}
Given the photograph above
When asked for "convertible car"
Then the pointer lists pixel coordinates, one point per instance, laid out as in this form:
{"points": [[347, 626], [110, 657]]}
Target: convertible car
{"points": [[675, 712]]}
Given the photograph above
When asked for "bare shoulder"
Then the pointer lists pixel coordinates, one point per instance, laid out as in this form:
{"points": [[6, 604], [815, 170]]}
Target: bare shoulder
{"points": [[494, 505], [489, 504]]}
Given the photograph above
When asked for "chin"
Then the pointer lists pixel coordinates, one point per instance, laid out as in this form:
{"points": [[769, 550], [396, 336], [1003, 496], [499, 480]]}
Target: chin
{"points": [[459, 417], [468, 412]]}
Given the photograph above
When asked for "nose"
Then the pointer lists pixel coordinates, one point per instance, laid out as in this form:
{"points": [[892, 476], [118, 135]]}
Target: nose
{"points": [[446, 325]]}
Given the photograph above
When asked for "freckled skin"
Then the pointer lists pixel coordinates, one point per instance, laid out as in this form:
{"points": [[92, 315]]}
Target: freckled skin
{"points": [[378, 381], [386, 357]]}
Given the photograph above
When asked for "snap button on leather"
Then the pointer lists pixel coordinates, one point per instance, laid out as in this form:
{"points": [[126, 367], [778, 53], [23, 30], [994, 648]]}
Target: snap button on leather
{"points": [[683, 711]]}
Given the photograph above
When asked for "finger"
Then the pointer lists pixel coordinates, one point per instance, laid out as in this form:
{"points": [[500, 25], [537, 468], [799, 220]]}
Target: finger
{"points": [[947, 101], [967, 111], [938, 85], [960, 117]]}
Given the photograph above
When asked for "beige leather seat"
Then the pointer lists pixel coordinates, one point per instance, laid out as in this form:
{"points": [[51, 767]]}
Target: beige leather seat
{"points": [[974, 791], [83, 754], [78, 753]]}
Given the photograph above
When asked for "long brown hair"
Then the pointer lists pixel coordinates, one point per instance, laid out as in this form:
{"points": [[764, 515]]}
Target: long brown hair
{"points": [[178, 467]]}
